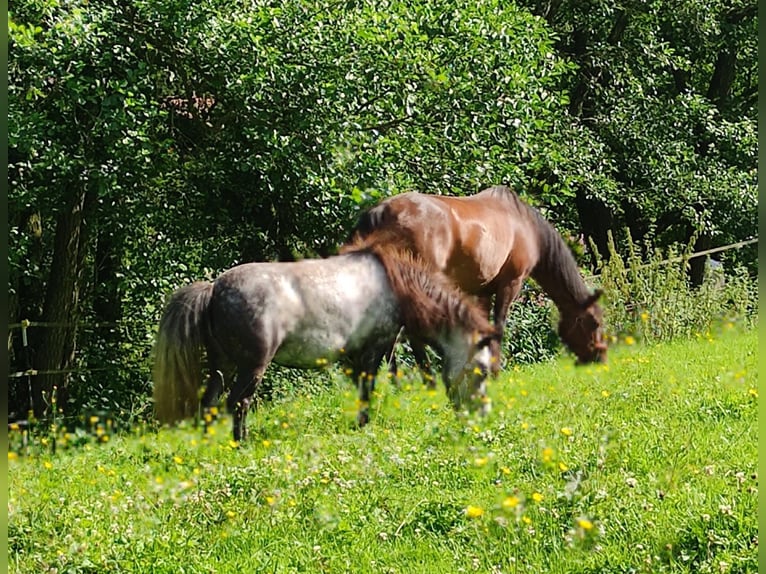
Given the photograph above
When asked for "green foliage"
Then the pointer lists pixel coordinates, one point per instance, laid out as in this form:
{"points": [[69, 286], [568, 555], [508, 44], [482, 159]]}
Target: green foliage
{"points": [[652, 297], [530, 335], [647, 464], [206, 134]]}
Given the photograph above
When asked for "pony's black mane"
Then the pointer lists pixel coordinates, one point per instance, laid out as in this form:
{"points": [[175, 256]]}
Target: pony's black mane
{"points": [[556, 270]]}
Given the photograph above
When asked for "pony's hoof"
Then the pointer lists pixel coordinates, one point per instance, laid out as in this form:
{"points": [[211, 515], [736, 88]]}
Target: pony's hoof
{"points": [[362, 419]]}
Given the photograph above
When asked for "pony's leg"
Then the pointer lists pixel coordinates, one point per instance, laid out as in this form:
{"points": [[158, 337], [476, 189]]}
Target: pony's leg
{"points": [[364, 374], [393, 368], [241, 397], [214, 386], [421, 358], [366, 382]]}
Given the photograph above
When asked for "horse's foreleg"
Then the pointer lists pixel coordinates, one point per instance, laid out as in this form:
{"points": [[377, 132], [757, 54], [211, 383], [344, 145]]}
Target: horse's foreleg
{"points": [[365, 382], [503, 299]]}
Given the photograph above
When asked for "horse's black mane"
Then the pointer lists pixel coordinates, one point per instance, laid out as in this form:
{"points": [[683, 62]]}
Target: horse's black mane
{"points": [[556, 269]]}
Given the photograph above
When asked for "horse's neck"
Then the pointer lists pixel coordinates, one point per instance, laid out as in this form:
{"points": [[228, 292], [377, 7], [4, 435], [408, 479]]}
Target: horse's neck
{"points": [[556, 270]]}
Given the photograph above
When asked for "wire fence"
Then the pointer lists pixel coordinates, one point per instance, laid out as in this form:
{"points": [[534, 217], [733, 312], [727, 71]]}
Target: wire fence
{"points": [[27, 324]]}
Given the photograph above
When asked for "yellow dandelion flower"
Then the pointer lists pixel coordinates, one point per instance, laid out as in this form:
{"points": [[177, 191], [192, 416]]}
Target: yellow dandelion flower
{"points": [[510, 502], [12, 455], [537, 497], [14, 427], [48, 464], [547, 454], [505, 470], [159, 479], [177, 459], [524, 426], [566, 431], [605, 394], [753, 393], [481, 461], [93, 420], [585, 524], [563, 467], [233, 443], [285, 425], [524, 392], [526, 519], [644, 316], [630, 340], [474, 511], [270, 500], [231, 513]]}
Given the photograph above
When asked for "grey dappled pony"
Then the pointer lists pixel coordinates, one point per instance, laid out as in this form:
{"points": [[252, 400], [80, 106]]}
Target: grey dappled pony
{"points": [[348, 308]]}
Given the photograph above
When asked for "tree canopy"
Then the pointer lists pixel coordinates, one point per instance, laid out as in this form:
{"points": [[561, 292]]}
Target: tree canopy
{"points": [[156, 142]]}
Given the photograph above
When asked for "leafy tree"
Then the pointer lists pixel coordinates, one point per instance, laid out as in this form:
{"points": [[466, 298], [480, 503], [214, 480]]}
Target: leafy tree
{"points": [[665, 94]]}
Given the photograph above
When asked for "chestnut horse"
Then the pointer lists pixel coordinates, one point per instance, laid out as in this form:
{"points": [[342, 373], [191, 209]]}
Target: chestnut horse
{"points": [[488, 244], [303, 314]]}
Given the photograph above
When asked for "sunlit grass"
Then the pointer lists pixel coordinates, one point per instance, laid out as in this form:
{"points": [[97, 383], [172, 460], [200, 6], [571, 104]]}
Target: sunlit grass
{"points": [[647, 464]]}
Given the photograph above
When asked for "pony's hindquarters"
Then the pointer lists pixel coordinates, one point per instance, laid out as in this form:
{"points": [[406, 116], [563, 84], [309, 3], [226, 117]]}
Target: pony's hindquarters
{"points": [[177, 353]]}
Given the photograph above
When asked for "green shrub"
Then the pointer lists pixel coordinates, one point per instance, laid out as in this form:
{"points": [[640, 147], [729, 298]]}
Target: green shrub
{"points": [[651, 296]]}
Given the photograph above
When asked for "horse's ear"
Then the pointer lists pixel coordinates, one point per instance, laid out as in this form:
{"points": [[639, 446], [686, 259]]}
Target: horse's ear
{"points": [[593, 298]]}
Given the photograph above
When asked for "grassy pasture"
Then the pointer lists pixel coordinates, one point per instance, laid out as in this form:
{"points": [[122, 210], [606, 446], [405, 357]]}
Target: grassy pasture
{"points": [[645, 465]]}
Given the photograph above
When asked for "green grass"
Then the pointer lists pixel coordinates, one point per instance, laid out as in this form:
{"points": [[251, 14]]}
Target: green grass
{"points": [[647, 465]]}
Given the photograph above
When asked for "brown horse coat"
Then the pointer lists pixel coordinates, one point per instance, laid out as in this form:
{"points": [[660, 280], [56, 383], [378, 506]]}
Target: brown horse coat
{"points": [[488, 244]]}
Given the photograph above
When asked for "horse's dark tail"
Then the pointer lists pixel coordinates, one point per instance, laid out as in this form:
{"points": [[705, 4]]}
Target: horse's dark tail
{"points": [[178, 351]]}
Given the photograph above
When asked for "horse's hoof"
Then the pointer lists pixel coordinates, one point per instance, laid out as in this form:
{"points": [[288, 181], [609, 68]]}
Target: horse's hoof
{"points": [[362, 419]]}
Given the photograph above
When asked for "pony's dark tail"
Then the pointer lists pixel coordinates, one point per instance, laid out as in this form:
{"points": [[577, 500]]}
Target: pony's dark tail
{"points": [[178, 353]]}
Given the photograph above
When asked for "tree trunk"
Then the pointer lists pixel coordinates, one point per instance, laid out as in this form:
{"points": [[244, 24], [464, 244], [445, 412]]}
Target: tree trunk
{"points": [[57, 343], [107, 306], [697, 264]]}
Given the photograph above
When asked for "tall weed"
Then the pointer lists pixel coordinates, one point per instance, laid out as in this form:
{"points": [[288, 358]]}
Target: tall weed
{"points": [[651, 296]]}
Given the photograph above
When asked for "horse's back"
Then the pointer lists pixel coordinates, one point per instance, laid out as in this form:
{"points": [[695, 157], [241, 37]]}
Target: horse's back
{"points": [[300, 311], [476, 240]]}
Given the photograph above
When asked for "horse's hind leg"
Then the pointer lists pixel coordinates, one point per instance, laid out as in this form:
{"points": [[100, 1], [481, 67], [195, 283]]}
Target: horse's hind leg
{"points": [[241, 396], [214, 386]]}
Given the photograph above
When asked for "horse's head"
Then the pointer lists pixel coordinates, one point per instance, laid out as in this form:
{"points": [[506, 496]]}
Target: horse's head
{"points": [[466, 379], [582, 331]]}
